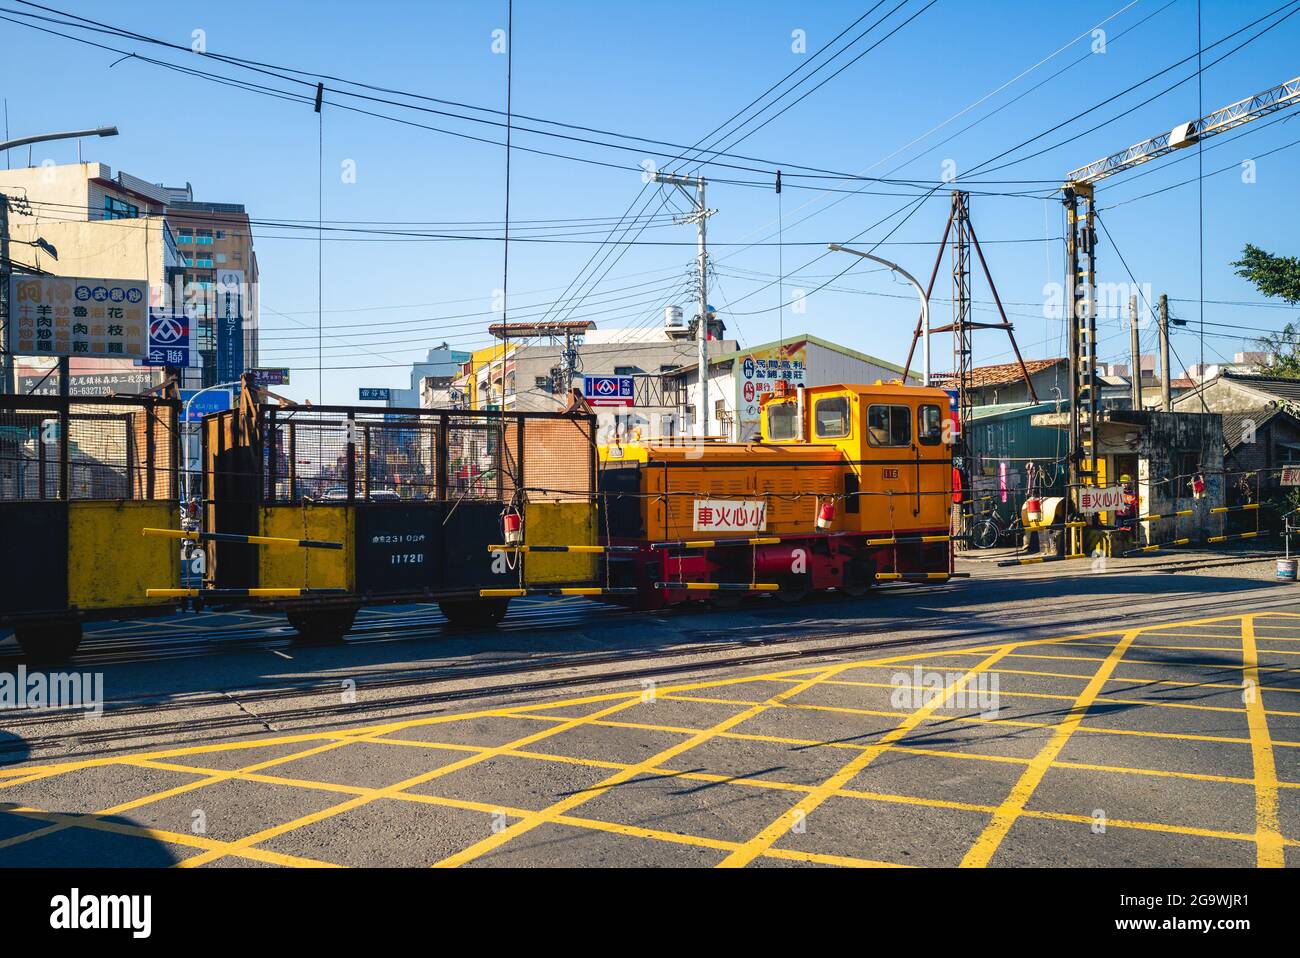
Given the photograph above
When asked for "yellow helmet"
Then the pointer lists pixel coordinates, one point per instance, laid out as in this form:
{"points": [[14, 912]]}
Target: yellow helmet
{"points": [[1126, 478]]}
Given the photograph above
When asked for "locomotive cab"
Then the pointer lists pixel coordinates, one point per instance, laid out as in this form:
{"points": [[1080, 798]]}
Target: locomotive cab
{"points": [[896, 455]]}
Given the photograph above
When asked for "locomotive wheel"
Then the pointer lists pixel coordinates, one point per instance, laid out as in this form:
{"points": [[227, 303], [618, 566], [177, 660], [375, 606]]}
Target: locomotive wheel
{"points": [[794, 590], [49, 643], [859, 577], [474, 613], [322, 626]]}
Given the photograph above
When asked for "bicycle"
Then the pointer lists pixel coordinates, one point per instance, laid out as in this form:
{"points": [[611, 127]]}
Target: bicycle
{"points": [[988, 529]]}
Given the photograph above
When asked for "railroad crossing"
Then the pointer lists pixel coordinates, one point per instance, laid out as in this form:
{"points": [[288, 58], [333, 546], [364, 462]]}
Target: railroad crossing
{"points": [[1157, 740]]}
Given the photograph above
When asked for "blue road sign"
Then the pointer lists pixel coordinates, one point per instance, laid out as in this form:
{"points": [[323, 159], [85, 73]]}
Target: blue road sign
{"points": [[214, 400], [374, 392], [169, 339], [609, 390]]}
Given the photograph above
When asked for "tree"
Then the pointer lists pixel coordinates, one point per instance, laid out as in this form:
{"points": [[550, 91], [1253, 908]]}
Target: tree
{"points": [[1272, 275], [1276, 276]]}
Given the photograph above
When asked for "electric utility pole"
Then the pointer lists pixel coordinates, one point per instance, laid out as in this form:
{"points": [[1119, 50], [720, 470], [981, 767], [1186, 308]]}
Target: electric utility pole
{"points": [[699, 215], [1166, 402], [6, 334], [1135, 380]]}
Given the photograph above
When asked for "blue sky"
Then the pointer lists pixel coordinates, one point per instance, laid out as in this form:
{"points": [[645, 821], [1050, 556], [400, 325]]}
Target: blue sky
{"points": [[673, 71]]}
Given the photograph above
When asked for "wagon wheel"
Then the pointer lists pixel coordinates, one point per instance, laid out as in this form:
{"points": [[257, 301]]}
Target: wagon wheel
{"points": [[49, 643], [321, 626], [473, 613]]}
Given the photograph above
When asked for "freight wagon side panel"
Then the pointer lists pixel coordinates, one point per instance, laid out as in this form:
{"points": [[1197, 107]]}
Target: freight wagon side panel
{"points": [[110, 563], [33, 557], [563, 524], [469, 527], [283, 567], [399, 548]]}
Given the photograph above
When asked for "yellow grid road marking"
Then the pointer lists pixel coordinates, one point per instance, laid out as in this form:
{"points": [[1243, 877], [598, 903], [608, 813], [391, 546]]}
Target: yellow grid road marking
{"points": [[338, 739], [420, 779], [1268, 831], [518, 828], [779, 827], [979, 855]]}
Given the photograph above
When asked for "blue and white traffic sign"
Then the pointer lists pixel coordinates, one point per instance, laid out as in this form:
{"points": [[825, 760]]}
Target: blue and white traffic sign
{"points": [[609, 390], [207, 402], [374, 393], [169, 339]]}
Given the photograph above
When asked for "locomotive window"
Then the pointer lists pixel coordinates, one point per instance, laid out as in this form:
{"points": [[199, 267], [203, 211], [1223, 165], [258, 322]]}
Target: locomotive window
{"points": [[780, 421], [832, 417], [889, 425], [929, 425]]}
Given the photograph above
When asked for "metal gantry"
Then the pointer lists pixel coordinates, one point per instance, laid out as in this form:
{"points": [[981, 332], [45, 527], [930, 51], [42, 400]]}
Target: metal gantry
{"points": [[1186, 134], [1081, 252]]}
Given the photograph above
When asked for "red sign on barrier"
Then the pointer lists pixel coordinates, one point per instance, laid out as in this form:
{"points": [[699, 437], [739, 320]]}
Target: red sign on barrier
{"points": [[1093, 501]]}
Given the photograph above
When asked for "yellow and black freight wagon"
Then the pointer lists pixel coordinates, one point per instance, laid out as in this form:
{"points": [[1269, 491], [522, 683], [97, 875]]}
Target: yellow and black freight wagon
{"points": [[79, 479], [413, 498]]}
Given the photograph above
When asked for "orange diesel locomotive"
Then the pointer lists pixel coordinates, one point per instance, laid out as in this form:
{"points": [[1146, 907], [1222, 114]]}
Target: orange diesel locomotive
{"points": [[847, 486]]}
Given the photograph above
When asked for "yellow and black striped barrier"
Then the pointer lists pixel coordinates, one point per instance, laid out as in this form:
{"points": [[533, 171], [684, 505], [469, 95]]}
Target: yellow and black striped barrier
{"points": [[1238, 535], [1167, 515], [1034, 560], [1156, 547], [584, 550], [553, 592], [1219, 509], [1075, 524], [720, 586], [906, 540], [913, 576], [246, 540], [1209, 540], [239, 593], [718, 543]]}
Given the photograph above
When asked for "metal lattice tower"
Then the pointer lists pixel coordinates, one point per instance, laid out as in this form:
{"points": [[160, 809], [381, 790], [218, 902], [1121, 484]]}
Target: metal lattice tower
{"points": [[961, 319]]}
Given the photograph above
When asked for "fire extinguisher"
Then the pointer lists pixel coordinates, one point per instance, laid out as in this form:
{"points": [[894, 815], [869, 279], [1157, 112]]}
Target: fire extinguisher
{"points": [[826, 514], [513, 525]]}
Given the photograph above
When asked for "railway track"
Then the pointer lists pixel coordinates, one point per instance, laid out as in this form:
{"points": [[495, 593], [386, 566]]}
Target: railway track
{"points": [[406, 691]]}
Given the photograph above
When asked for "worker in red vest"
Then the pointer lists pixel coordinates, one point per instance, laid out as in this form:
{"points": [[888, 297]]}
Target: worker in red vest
{"points": [[1126, 518]]}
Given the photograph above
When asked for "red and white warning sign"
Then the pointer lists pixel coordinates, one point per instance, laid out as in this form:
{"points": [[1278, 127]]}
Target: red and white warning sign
{"points": [[1108, 499], [1291, 475], [730, 515]]}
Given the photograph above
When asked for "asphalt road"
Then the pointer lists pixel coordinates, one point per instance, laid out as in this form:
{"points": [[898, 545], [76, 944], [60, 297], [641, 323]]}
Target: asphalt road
{"points": [[1136, 718]]}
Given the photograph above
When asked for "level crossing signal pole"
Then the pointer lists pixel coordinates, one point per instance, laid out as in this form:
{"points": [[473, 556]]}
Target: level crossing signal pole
{"points": [[1081, 256]]}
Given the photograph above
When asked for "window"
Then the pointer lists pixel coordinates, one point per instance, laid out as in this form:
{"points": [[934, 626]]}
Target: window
{"points": [[543, 383], [889, 426], [221, 257], [203, 262], [831, 417], [929, 425], [624, 370], [221, 234], [203, 237], [185, 236], [115, 209], [781, 421]]}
